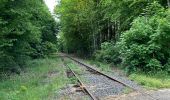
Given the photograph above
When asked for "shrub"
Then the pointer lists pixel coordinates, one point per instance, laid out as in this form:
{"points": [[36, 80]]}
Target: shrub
{"points": [[49, 47], [146, 45], [108, 53]]}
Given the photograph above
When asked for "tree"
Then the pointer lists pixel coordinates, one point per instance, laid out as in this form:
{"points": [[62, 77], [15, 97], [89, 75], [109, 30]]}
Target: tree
{"points": [[146, 45], [24, 27], [86, 25]]}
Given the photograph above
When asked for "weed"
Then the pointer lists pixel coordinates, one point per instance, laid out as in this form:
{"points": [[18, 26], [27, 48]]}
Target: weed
{"points": [[29, 85], [151, 82], [127, 90]]}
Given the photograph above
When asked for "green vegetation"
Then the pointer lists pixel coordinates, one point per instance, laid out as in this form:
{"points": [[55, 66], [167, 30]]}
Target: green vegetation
{"points": [[149, 81], [127, 90], [77, 69], [146, 45], [39, 81], [131, 33], [101, 65], [27, 31], [108, 53], [152, 81], [74, 67]]}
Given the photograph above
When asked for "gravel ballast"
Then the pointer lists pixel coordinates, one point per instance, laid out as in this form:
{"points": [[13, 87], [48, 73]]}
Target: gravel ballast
{"points": [[99, 85]]}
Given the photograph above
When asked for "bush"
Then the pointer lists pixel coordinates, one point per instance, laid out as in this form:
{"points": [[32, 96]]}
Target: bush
{"points": [[146, 45], [49, 47], [108, 53]]}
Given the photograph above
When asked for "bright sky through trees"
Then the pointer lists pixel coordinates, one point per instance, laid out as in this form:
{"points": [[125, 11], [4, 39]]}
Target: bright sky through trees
{"points": [[51, 4]]}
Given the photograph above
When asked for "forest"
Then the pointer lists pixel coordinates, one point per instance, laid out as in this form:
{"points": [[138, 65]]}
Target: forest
{"points": [[132, 33], [127, 39], [28, 31]]}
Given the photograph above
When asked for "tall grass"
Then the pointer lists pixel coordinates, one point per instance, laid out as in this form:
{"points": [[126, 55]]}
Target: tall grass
{"points": [[152, 81], [41, 78], [103, 66]]}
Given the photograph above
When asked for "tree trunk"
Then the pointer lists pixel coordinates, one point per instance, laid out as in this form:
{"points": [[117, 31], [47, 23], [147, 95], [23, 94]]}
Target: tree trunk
{"points": [[94, 42], [112, 32], [93, 35], [100, 37], [108, 30], [115, 29]]}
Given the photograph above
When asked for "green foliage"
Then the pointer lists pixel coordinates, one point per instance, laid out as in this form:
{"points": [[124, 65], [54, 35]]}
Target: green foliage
{"points": [[74, 16], [146, 45], [48, 47], [142, 24], [86, 24], [108, 53], [26, 26]]}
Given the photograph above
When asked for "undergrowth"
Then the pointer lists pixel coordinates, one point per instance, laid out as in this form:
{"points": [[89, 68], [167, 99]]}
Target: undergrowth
{"points": [[103, 66], [40, 80], [156, 81]]}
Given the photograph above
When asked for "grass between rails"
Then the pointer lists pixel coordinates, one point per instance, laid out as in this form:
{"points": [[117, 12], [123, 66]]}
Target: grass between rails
{"points": [[102, 66], [156, 81], [75, 68], [42, 78], [71, 64], [78, 70]]}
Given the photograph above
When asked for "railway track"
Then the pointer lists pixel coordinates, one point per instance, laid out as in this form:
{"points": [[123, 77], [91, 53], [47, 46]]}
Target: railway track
{"points": [[92, 69], [82, 85]]}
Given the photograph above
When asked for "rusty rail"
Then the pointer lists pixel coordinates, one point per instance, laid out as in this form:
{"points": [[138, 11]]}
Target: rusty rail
{"points": [[96, 70], [81, 83]]}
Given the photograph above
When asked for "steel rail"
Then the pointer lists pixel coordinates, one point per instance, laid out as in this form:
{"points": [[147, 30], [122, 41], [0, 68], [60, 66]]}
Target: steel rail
{"points": [[81, 83], [96, 70], [88, 66]]}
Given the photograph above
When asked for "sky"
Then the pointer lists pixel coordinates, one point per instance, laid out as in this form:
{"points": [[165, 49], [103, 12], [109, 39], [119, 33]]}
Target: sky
{"points": [[51, 4]]}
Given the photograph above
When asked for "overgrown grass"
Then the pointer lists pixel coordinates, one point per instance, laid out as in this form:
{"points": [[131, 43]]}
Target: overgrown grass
{"points": [[73, 66], [103, 66], [42, 78], [127, 90], [152, 81], [77, 69]]}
